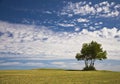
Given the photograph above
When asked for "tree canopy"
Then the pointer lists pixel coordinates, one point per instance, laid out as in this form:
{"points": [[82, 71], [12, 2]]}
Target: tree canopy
{"points": [[91, 52]]}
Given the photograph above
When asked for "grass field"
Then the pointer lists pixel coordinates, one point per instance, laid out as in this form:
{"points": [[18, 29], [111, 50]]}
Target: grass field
{"points": [[53, 76]]}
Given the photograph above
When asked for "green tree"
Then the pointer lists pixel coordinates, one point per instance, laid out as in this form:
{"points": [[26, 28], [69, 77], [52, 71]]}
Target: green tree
{"points": [[89, 53]]}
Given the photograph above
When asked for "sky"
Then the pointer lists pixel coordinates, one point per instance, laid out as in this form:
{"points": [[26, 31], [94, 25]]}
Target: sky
{"points": [[49, 33]]}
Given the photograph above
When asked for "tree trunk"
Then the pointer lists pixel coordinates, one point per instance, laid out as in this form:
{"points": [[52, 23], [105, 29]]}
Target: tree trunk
{"points": [[86, 63], [92, 62]]}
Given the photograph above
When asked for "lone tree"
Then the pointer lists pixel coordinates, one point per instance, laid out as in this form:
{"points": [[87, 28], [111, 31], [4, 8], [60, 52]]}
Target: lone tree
{"points": [[89, 53]]}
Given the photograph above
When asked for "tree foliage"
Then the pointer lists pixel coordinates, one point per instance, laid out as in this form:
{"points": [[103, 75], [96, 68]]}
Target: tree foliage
{"points": [[91, 52]]}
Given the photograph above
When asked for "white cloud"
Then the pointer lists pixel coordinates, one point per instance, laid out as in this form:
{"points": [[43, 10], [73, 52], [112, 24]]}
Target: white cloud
{"points": [[92, 28], [110, 65], [21, 64], [9, 63], [77, 29], [58, 63], [103, 9], [66, 25], [48, 12], [109, 33], [70, 15], [100, 22], [82, 20], [31, 41], [68, 64], [2, 61], [33, 64]]}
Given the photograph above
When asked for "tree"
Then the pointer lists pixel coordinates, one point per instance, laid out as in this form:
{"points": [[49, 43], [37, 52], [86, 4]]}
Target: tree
{"points": [[91, 52]]}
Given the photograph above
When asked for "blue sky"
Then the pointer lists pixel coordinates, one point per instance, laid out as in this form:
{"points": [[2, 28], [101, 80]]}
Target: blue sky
{"points": [[48, 33]]}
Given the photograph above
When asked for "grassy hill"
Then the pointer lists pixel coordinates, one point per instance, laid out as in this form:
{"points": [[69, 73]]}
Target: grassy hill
{"points": [[56, 76]]}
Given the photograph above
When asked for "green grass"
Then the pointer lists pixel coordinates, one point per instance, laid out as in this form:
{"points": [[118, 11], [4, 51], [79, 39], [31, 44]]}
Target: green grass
{"points": [[53, 76]]}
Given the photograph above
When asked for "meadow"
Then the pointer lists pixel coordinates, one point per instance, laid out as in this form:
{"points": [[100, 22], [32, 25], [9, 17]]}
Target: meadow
{"points": [[57, 76]]}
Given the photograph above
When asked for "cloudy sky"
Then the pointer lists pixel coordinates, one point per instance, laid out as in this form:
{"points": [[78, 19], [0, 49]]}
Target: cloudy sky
{"points": [[49, 33]]}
